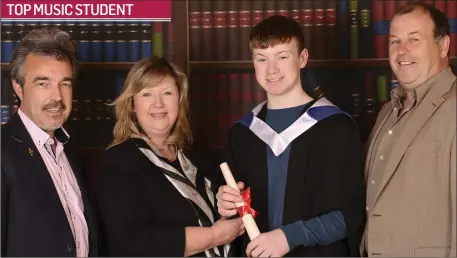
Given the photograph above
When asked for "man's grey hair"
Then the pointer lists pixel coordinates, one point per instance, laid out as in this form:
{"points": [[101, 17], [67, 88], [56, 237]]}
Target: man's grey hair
{"points": [[47, 41]]}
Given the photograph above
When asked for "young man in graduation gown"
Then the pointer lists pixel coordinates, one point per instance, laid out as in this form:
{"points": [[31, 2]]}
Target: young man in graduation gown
{"points": [[301, 157]]}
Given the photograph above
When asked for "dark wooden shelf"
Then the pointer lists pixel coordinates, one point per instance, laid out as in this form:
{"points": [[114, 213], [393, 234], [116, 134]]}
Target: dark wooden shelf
{"points": [[93, 149], [95, 65], [335, 63], [343, 63]]}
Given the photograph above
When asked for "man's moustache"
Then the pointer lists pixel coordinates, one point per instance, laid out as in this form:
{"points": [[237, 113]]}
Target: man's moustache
{"points": [[55, 104]]}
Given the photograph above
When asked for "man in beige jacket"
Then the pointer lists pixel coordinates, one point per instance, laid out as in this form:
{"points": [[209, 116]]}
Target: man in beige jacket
{"points": [[410, 168]]}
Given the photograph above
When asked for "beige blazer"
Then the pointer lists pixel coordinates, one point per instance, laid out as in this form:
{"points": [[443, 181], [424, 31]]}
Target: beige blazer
{"points": [[413, 208]]}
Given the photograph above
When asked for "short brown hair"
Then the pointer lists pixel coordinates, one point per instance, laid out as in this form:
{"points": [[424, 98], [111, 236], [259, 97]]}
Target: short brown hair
{"points": [[439, 19], [149, 72], [276, 29], [48, 41]]}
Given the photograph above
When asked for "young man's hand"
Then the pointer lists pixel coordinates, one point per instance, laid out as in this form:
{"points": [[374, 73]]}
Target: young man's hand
{"points": [[226, 199], [270, 244]]}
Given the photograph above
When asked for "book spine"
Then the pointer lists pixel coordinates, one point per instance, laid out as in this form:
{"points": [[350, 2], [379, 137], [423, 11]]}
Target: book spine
{"points": [[319, 30], [257, 12], [109, 43], [223, 116], [197, 107], [18, 32], [331, 32], [235, 88], [171, 41], [245, 29], [258, 93], [283, 8], [354, 29], [370, 104], [382, 90], [207, 30], [121, 43], [95, 42], [270, 8], [83, 40], [343, 29], [307, 22], [295, 11], [212, 109], [220, 29], [195, 30], [133, 37], [4, 114], [246, 99], [146, 40], [234, 30], [366, 31], [157, 39], [8, 42], [379, 29]]}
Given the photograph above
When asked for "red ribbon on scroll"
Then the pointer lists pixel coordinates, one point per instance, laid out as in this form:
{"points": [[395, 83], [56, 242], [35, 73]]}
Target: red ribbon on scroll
{"points": [[246, 208]]}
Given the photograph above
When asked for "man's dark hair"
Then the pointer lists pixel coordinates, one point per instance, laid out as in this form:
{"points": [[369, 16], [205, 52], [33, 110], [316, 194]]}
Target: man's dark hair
{"points": [[276, 29], [439, 18]]}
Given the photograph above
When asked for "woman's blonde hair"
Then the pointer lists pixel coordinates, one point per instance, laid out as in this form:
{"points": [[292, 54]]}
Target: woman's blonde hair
{"points": [[149, 72]]}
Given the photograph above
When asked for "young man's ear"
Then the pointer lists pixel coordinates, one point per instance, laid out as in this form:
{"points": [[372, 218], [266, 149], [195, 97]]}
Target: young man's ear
{"points": [[18, 89], [303, 58]]}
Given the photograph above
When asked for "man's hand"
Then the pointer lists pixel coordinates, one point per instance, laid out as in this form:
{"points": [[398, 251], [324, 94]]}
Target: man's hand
{"points": [[270, 244], [226, 199]]}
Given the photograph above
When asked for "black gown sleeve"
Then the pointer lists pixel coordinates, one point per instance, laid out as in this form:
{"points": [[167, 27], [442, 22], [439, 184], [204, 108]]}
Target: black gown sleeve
{"points": [[338, 155]]}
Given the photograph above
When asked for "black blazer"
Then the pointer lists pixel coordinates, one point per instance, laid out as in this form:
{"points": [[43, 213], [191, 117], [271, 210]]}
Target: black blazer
{"points": [[33, 219], [141, 212]]}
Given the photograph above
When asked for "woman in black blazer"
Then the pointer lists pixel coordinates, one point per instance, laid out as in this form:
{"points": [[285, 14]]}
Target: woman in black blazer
{"points": [[154, 196]]}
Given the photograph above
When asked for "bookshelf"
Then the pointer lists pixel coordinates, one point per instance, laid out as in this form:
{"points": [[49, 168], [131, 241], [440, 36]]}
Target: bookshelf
{"points": [[95, 65], [358, 78], [222, 90], [100, 80], [331, 64], [245, 65]]}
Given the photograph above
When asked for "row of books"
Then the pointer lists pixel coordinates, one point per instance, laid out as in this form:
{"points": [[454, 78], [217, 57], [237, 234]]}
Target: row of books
{"points": [[369, 96], [382, 12], [90, 122], [219, 30], [82, 110], [101, 42], [218, 100], [89, 104]]}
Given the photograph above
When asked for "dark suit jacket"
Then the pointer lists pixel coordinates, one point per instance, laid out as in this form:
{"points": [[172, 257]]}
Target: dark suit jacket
{"points": [[33, 219], [142, 213]]}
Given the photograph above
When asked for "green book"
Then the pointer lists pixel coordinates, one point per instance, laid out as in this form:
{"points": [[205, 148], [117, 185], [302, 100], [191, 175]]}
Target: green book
{"points": [[157, 39]]}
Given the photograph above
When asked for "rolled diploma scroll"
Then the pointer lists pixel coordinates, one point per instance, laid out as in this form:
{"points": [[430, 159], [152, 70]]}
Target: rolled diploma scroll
{"points": [[248, 220]]}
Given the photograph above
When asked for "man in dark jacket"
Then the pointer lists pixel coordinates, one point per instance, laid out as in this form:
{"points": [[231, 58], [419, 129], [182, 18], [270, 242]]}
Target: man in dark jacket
{"points": [[45, 206]]}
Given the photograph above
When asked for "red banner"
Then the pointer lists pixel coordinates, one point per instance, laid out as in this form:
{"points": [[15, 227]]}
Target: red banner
{"points": [[86, 10]]}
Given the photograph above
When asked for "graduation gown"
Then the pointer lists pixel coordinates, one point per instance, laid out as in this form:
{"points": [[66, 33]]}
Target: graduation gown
{"points": [[325, 172]]}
